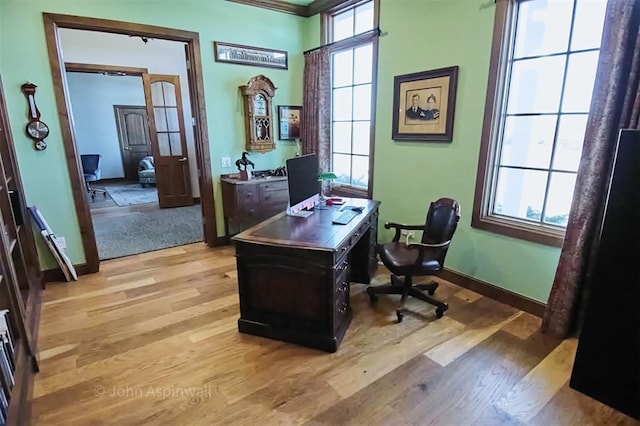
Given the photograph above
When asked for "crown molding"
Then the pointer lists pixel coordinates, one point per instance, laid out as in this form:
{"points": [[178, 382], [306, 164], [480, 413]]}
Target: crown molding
{"points": [[317, 6], [276, 5]]}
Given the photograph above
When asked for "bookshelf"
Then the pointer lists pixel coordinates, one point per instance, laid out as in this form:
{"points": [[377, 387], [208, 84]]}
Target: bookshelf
{"points": [[21, 286]]}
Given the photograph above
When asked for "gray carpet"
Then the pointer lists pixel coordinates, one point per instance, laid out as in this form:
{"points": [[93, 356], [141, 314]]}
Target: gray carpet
{"points": [[132, 193], [143, 232]]}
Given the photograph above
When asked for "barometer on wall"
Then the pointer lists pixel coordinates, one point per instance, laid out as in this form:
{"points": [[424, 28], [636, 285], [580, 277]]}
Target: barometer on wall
{"points": [[257, 98], [36, 129]]}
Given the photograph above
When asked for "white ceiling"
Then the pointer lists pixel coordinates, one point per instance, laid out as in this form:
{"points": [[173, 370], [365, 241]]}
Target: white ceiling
{"points": [[302, 2]]}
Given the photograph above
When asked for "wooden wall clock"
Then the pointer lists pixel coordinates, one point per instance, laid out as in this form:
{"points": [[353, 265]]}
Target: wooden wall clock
{"points": [[36, 129], [257, 99]]}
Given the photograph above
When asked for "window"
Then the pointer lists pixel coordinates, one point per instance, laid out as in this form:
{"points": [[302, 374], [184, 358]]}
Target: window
{"points": [[353, 63], [536, 115]]}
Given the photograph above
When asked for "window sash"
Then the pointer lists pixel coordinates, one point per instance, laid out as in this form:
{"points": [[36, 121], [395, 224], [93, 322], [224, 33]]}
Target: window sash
{"points": [[490, 161]]}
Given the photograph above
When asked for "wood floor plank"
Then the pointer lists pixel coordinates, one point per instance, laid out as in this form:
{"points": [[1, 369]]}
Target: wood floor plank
{"points": [[167, 322], [540, 385]]}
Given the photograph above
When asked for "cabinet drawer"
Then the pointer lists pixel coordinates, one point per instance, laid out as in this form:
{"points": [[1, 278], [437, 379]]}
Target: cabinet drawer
{"points": [[279, 185], [340, 307], [247, 196], [274, 198]]}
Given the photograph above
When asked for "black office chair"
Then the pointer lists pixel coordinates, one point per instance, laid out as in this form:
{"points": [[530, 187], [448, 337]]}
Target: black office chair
{"points": [[91, 170], [423, 258]]}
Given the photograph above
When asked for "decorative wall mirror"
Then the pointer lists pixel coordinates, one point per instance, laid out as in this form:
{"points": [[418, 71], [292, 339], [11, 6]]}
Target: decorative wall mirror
{"points": [[257, 99]]}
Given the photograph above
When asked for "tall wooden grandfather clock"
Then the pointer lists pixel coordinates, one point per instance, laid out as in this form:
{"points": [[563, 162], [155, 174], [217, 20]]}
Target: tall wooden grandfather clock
{"points": [[257, 96]]}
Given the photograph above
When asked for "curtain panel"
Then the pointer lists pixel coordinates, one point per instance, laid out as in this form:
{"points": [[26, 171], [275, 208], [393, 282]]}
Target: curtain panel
{"points": [[316, 106], [615, 105]]}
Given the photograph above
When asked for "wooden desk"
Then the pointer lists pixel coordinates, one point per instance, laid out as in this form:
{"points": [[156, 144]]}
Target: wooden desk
{"points": [[294, 274]]}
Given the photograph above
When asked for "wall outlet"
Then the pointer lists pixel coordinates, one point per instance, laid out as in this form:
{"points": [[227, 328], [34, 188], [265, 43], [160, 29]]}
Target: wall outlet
{"points": [[62, 242], [225, 161]]}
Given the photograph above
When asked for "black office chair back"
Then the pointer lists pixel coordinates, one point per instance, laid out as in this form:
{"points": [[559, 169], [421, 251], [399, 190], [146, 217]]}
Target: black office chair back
{"points": [[442, 221], [90, 163]]}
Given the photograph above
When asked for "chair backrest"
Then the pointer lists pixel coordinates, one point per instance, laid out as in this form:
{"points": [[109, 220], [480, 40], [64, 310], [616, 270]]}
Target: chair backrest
{"points": [[146, 163], [90, 163], [442, 221]]}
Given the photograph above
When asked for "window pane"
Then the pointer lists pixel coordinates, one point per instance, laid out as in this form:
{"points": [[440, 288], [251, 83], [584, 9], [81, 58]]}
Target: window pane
{"points": [[342, 104], [360, 173], [343, 25], [520, 193], [176, 146], [342, 137], [581, 75], [343, 68], [570, 139], [362, 102], [559, 198], [528, 141], [589, 20], [156, 94], [169, 94], [172, 119], [342, 168], [361, 137], [363, 64], [536, 85], [364, 18], [160, 117], [163, 144], [543, 27]]}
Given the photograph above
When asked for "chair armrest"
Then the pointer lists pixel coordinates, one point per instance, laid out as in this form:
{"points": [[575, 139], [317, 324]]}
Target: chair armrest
{"points": [[399, 227], [425, 247]]}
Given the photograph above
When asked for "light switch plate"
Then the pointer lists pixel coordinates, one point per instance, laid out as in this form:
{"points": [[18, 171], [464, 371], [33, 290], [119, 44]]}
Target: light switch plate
{"points": [[225, 161]]}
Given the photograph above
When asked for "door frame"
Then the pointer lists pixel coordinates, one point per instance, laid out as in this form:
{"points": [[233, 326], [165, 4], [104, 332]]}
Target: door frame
{"points": [[122, 131], [52, 22]]}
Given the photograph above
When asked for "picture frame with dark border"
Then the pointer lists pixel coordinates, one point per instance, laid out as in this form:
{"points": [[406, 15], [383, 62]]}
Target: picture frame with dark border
{"points": [[248, 55], [424, 105], [289, 118]]}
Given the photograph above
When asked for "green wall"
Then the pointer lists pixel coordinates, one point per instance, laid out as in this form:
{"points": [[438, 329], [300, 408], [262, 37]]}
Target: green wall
{"points": [[418, 35], [421, 35], [23, 56]]}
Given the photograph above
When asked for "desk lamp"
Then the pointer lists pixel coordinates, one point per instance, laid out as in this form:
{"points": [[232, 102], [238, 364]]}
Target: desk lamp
{"points": [[325, 178]]}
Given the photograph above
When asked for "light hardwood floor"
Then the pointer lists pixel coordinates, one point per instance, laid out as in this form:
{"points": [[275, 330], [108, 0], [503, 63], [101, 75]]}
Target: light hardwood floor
{"points": [[152, 339]]}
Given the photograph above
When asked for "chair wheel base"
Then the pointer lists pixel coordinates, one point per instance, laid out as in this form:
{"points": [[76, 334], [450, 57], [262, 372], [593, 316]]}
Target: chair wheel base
{"points": [[400, 316], [431, 292], [440, 311], [372, 296]]}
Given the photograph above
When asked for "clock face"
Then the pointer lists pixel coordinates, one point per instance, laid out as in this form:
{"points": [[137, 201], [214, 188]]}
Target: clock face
{"points": [[37, 130], [259, 105]]}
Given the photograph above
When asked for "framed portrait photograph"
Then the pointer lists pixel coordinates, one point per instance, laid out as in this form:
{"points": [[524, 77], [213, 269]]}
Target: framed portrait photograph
{"points": [[289, 122], [424, 105], [248, 55]]}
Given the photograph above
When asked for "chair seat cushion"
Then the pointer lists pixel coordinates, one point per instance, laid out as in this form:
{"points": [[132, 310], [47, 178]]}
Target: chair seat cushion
{"points": [[401, 261]]}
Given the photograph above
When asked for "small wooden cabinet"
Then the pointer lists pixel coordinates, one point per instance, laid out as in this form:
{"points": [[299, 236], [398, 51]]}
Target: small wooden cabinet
{"points": [[247, 203]]}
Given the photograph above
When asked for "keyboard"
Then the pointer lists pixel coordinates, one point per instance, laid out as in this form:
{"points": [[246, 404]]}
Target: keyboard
{"points": [[345, 217]]}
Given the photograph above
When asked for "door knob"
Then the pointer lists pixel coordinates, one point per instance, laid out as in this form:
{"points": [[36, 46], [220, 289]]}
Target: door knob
{"points": [[127, 148], [183, 159]]}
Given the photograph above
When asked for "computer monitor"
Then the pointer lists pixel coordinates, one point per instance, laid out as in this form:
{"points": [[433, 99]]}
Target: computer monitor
{"points": [[304, 188]]}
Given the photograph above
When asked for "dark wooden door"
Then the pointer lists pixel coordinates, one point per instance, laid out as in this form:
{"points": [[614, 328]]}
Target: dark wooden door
{"points": [[168, 139], [133, 133]]}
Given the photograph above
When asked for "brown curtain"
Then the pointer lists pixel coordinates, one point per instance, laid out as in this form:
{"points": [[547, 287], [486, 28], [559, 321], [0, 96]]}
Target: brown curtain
{"points": [[316, 106], [615, 105]]}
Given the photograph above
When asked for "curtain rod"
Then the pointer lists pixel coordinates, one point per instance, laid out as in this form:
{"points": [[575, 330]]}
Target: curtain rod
{"points": [[374, 32]]}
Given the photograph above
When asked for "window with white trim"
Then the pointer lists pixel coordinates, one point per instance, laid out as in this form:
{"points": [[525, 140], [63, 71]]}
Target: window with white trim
{"points": [[542, 101]]}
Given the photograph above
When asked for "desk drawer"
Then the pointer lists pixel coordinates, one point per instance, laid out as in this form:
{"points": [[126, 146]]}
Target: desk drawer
{"points": [[341, 305]]}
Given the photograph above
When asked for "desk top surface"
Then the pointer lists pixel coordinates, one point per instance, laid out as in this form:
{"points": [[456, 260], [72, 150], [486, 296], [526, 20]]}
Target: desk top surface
{"points": [[313, 232]]}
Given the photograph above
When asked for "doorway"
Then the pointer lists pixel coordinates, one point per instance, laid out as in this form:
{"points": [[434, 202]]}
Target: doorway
{"points": [[54, 22]]}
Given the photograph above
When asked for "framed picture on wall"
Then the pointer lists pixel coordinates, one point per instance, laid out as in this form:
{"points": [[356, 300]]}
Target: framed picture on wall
{"points": [[289, 118], [424, 105]]}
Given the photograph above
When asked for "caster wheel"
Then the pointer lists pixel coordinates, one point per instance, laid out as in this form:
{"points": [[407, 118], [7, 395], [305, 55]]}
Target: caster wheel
{"points": [[105, 195], [439, 312], [431, 292], [400, 316], [372, 297]]}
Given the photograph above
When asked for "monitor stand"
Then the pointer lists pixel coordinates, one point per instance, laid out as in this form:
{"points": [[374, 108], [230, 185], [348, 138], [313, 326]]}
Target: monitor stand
{"points": [[299, 213]]}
